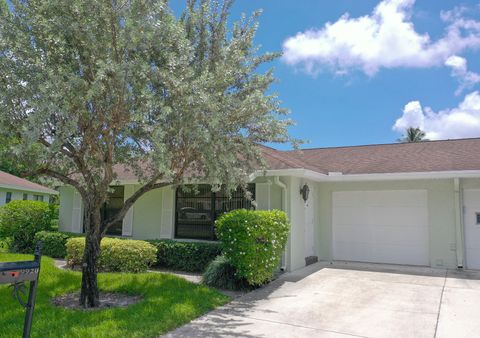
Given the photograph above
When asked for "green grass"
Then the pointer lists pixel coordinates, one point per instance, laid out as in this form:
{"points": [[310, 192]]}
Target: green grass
{"points": [[168, 302]]}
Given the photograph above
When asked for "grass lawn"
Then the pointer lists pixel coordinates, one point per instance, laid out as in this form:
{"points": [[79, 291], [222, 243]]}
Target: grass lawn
{"points": [[168, 302]]}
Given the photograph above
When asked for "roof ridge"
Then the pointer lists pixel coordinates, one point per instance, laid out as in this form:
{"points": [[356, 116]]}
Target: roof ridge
{"points": [[382, 144]]}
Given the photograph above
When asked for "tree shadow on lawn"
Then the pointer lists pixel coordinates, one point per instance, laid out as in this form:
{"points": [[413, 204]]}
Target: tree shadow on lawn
{"points": [[168, 302]]}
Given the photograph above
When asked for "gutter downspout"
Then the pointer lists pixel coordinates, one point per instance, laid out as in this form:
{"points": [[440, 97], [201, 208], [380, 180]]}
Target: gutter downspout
{"points": [[283, 187], [459, 223]]}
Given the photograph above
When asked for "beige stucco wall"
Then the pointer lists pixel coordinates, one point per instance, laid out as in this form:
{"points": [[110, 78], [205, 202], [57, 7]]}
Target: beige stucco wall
{"points": [[441, 214], [147, 216], [18, 195], [153, 213], [66, 209]]}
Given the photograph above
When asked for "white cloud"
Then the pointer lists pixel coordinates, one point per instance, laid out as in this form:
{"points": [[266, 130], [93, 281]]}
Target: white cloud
{"points": [[460, 122], [384, 39], [466, 78]]}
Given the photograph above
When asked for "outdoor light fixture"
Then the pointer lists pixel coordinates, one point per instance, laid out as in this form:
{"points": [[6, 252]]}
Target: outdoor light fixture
{"points": [[304, 191]]}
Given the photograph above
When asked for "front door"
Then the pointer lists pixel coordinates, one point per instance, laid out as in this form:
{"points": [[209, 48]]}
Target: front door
{"points": [[471, 221]]}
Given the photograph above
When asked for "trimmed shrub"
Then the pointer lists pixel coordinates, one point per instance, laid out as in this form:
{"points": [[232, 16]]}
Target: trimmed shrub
{"points": [[54, 243], [221, 274], [253, 241], [116, 255], [185, 256], [21, 220]]}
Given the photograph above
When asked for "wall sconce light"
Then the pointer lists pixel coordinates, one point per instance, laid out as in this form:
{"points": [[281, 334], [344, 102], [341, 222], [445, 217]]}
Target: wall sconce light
{"points": [[304, 191]]}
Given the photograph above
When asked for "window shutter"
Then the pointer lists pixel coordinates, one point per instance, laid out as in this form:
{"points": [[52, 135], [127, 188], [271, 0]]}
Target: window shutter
{"points": [[262, 196], [166, 229], [77, 213], [127, 224]]}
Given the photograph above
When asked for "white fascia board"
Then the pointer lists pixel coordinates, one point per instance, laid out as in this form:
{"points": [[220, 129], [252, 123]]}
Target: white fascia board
{"points": [[20, 188], [304, 173], [405, 176], [337, 177]]}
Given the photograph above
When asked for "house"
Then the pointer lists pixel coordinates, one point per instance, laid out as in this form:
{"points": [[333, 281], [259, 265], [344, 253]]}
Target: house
{"points": [[16, 188], [403, 203]]}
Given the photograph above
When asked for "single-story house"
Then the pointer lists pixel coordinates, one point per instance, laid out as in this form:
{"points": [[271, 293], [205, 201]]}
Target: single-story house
{"points": [[16, 188], [403, 203]]}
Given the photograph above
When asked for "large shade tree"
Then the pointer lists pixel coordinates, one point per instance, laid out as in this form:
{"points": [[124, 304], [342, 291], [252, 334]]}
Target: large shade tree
{"points": [[98, 84]]}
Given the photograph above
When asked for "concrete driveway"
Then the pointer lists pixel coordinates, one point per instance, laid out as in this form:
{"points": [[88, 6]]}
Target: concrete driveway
{"points": [[351, 300]]}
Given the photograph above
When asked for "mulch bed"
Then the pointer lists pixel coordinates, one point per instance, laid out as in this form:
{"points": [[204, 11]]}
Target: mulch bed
{"points": [[107, 300]]}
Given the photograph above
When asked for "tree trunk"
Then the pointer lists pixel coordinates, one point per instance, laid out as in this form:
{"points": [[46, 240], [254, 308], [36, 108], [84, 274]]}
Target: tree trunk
{"points": [[89, 295]]}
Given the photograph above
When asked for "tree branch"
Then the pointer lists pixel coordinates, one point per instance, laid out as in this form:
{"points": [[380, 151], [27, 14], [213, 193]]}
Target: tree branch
{"points": [[153, 184], [63, 178]]}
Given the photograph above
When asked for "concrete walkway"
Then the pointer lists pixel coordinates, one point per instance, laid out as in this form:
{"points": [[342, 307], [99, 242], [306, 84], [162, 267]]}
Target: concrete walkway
{"points": [[351, 300]]}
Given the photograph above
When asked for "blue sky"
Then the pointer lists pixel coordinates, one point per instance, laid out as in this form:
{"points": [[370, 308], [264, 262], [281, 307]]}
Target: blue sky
{"points": [[349, 83]]}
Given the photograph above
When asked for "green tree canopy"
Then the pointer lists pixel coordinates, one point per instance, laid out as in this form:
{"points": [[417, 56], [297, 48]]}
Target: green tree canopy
{"points": [[413, 135], [99, 84]]}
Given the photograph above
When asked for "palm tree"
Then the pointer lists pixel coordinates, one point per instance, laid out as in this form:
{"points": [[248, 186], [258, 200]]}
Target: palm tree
{"points": [[413, 135]]}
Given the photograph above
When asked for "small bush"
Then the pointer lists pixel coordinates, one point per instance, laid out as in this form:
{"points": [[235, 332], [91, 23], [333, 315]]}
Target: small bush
{"points": [[5, 244], [54, 243], [116, 255], [221, 274], [253, 241], [185, 256], [21, 220]]}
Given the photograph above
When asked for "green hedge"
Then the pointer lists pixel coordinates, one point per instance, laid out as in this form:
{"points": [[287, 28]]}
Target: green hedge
{"points": [[185, 256], [21, 220], [54, 243], [253, 241], [116, 255]]}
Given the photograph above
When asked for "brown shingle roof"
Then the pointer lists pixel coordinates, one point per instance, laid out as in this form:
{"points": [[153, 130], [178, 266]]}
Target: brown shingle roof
{"points": [[447, 155], [428, 156], [10, 181]]}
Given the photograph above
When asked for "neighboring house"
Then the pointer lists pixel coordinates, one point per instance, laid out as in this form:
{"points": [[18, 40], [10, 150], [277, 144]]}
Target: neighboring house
{"points": [[16, 188], [409, 203]]}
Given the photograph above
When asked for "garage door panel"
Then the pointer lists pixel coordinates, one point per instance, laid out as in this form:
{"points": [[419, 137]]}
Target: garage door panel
{"points": [[347, 198], [345, 215], [399, 198], [407, 237], [394, 254], [471, 198], [381, 226], [344, 250], [397, 216], [353, 233]]}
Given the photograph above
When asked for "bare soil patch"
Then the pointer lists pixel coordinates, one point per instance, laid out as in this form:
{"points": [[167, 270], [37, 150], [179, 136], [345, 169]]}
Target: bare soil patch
{"points": [[107, 300]]}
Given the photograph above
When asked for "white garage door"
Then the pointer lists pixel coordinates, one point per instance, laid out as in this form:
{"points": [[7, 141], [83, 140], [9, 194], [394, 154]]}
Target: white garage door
{"points": [[381, 226], [471, 202]]}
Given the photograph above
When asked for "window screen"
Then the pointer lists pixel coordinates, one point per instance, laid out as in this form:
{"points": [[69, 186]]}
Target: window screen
{"points": [[196, 211], [111, 207]]}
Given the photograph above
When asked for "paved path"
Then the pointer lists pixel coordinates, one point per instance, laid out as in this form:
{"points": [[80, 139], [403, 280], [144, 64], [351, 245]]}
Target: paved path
{"points": [[351, 300]]}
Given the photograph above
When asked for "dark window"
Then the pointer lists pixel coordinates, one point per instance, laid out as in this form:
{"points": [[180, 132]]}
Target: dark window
{"points": [[38, 198], [478, 217], [25, 197], [8, 197], [196, 211], [111, 207]]}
